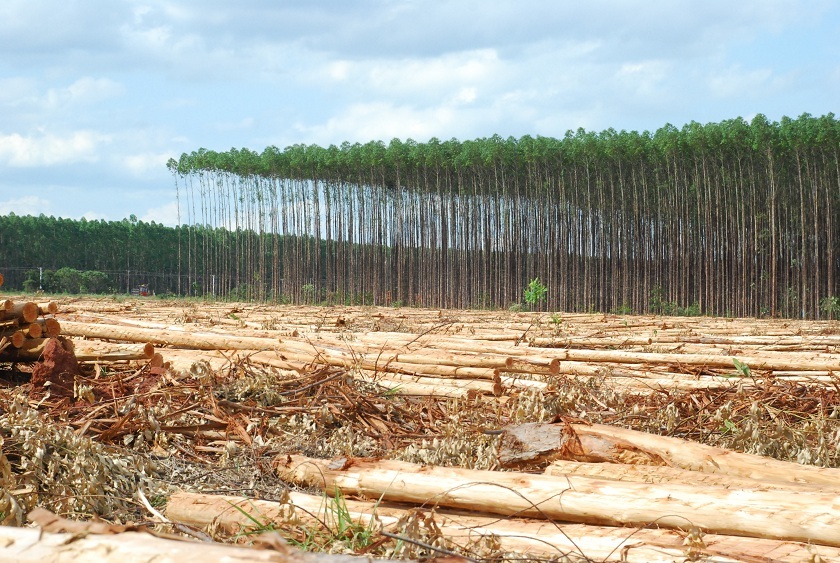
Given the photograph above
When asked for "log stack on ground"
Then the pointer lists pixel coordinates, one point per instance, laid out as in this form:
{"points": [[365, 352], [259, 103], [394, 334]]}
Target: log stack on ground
{"points": [[26, 326]]}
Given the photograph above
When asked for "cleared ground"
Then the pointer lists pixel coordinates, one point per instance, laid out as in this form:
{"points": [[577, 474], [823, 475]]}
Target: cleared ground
{"points": [[239, 395]]}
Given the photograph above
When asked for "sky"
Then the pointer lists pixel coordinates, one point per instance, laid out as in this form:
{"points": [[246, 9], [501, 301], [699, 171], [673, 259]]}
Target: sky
{"points": [[97, 95]]}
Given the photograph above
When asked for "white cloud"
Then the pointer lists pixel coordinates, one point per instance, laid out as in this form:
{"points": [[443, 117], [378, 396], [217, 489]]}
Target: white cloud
{"points": [[85, 90], [466, 95], [384, 121], [26, 205], [47, 149], [416, 78], [15, 89], [166, 214], [140, 164], [736, 82]]}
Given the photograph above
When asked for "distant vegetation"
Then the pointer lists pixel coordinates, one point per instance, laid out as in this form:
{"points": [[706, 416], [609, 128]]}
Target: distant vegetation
{"points": [[731, 218]]}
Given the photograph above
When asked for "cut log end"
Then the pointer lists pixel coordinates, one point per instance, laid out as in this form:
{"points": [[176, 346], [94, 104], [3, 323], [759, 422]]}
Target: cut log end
{"points": [[50, 308]]}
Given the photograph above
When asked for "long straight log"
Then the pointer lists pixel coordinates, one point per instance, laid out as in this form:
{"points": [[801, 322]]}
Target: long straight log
{"points": [[32, 545], [236, 515], [663, 475], [430, 386], [200, 341], [89, 351], [693, 456], [539, 444], [754, 362], [806, 517]]}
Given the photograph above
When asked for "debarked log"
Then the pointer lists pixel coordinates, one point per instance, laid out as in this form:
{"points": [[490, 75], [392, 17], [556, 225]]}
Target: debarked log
{"points": [[806, 517], [31, 545], [536, 444], [236, 515], [196, 341], [793, 362]]}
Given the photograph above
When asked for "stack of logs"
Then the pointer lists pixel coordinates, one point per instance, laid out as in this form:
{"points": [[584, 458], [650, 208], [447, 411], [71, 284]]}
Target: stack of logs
{"points": [[24, 328]]}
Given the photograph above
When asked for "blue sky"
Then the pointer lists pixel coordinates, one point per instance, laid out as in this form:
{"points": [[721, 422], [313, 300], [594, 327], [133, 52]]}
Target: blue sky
{"points": [[96, 95]]}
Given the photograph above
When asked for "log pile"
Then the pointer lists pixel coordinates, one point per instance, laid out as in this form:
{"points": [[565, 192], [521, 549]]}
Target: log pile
{"points": [[206, 383], [642, 356], [24, 329], [678, 501]]}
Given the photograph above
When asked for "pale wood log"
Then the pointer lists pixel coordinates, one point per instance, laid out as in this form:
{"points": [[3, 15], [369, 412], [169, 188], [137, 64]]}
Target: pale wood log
{"points": [[49, 308], [661, 475], [16, 338], [6, 306], [430, 386], [693, 456], [198, 341], [534, 537], [180, 361], [618, 356], [806, 517], [51, 327], [30, 350], [32, 330], [427, 369], [31, 545], [536, 443], [28, 311], [93, 351]]}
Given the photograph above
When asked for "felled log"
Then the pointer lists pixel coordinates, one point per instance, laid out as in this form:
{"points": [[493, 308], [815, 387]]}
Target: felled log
{"points": [[662, 475], [92, 351], [25, 545], [48, 308], [30, 350], [708, 360], [595, 543], [402, 384], [200, 341], [805, 517], [28, 311], [536, 444], [50, 327]]}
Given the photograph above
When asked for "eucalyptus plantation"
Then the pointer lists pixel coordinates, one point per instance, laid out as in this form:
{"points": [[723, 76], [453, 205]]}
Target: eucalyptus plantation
{"points": [[732, 218]]}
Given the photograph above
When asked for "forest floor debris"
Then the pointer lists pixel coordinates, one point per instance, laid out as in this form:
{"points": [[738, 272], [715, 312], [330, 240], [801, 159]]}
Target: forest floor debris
{"points": [[392, 384]]}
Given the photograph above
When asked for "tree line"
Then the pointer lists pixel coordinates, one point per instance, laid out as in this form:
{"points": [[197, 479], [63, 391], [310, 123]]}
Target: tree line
{"points": [[731, 218]]}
